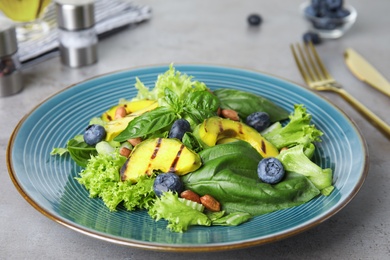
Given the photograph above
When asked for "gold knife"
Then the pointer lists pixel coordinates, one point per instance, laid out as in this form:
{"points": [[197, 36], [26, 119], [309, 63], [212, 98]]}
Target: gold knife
{"points": [[364, 71]]}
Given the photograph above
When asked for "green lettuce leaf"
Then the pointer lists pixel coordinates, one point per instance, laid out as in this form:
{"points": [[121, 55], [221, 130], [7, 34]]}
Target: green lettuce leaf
{"points": [[232, 219], [295, 160], [298, 130], [179, 216]]}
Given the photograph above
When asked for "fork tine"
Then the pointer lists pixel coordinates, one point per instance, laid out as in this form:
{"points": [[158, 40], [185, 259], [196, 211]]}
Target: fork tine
{"points": [[308, 63], [319, 62], [313, 64], [306, 76]]}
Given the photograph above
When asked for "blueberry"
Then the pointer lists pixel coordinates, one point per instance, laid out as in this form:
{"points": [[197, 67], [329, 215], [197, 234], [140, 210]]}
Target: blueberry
{"points": [[342, 13], [326, 24], [167, 182], [334, 5], [327, 8], [94, 134], [319, 7], [179, 128], [311, 37], [254, 19], [270, 170], [317, 3], [311, 11], [258, 120]]}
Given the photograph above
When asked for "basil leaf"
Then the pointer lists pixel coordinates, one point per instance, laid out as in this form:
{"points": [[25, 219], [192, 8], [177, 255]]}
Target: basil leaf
{"points": [[148, 123], [202, 100], [200, 105], [59, 151], [171, 100], [195, 116], [191, 142], [80, 151], [245, 103]]}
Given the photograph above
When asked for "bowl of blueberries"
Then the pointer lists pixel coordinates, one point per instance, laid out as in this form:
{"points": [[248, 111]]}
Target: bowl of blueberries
{"points": [[329, 18]]}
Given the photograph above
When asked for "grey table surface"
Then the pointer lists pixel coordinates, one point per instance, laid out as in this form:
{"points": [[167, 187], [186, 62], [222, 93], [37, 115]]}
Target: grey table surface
{"points": [[216, 32]]}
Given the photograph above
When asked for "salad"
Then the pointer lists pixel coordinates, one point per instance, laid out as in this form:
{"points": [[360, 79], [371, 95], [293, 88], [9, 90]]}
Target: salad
{"points": [[193, 156]]}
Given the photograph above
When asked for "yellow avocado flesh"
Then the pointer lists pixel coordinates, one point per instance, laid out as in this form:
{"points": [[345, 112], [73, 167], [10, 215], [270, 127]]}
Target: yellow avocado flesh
{"points": [[216, 130], [115, 127], [160, 154], [227, 140], [131, 107]]}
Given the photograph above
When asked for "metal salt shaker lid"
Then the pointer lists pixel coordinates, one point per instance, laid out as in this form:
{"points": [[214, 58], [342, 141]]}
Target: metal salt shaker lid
{"points": [[8, 42], [11, 81], [75, 15], [78, 40]]}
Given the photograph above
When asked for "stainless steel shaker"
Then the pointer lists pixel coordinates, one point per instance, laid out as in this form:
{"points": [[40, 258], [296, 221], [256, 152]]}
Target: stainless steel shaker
{"points": [[11, 81], [77, 34]]}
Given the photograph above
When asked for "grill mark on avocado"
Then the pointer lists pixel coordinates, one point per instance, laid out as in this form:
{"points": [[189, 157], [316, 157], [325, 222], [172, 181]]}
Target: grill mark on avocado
{"points": [[176, 160], [156, 149], [109, 117], [240, 130], [205, 128], [220, 126], [154, 154], [123, 170], [263, 146]]}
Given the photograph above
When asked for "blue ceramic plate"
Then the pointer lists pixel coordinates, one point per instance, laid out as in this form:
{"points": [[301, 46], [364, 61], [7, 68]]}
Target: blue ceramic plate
{"points": [[47, 182]]}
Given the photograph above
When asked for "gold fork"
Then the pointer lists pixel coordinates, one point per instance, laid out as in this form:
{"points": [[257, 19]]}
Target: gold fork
{"points": [[318, 78]]}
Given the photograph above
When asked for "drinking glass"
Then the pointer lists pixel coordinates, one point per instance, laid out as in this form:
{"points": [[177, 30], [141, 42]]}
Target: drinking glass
{"points": [[27, 14]]}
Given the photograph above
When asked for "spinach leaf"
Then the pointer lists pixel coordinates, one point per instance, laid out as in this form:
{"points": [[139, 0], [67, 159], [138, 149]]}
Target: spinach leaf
{"points": [[233, 148], [149, 123], [246, 103], [230, 175], [80, 151]]}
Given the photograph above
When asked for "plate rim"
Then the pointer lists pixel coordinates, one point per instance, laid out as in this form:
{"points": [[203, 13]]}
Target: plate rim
{"points": [[184, 247]]}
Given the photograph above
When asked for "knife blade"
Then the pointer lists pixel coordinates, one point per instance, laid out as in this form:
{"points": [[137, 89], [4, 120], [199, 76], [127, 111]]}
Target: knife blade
{"points": [[364, 71]]}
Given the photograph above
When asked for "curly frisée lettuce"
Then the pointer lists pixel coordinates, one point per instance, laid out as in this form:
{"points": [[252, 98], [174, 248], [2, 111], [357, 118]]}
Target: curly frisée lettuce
{"points": [[179, 215], [180, 84], [101, 178], [297, 131]]}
